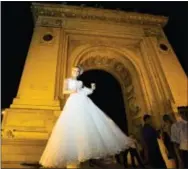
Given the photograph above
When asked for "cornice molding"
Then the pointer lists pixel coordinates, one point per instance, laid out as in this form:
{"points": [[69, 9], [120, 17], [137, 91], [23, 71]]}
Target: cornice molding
{"points": [[116, 16]]}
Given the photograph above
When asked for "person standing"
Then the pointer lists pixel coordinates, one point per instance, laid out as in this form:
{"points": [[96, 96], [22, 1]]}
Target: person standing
{"points": [[83, 131], [150, 137], [179, 136], [166, 134]]}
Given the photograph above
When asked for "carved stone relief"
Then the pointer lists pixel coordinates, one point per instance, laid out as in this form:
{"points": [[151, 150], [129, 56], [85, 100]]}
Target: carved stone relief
{"points": [[115, 16], [50, 22], [137, 126], [131, 99], [117, 67], [131, 44], [155, 32], [7, 134]]}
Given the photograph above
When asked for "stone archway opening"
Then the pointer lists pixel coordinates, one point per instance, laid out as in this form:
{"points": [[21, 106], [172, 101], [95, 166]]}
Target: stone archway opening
{"points": [[108, 95], [124, 71]]}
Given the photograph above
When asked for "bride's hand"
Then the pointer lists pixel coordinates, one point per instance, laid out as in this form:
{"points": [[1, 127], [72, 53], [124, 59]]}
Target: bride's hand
{"points": [[93, 86]]}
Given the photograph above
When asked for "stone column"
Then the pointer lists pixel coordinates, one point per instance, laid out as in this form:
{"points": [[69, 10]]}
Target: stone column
{"points": [[157, 92], [37, 87]]}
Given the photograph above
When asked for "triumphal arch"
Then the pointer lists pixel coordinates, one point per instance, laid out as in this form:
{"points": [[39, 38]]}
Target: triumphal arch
{"points": [[130, 46]]}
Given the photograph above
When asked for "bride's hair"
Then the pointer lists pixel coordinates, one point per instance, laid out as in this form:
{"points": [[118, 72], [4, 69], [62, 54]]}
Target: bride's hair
{"points": [[81, 70]]}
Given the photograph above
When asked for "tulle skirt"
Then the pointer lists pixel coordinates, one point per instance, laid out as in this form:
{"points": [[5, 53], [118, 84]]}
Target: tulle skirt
{"points": [[82, 132]]}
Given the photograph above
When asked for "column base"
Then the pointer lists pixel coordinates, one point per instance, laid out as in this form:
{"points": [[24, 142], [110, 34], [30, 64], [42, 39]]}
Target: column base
{"points": [[36, 104], [18, 151], [20, 123]]}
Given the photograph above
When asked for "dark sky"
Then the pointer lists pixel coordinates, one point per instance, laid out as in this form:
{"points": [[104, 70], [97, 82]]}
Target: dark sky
{"points": [[17, 27]]}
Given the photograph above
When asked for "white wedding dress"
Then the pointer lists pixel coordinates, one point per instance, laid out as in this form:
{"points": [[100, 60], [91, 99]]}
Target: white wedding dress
{"points": [[82, 132]]}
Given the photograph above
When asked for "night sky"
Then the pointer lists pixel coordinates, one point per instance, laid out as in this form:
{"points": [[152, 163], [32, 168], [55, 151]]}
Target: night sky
{"points": [[17, 28]]}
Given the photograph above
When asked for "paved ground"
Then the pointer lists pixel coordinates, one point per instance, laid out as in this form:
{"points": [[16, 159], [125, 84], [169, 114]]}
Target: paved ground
{"points": [[84, 166], [99, 164], [103, 166]]}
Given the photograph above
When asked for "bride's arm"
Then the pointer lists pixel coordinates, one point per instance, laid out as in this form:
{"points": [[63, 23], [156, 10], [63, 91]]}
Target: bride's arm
{"points": [[89, 91], [66, 89]]}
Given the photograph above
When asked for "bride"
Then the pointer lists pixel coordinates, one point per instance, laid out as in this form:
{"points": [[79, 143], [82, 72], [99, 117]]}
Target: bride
{"points": [[82, 131]]}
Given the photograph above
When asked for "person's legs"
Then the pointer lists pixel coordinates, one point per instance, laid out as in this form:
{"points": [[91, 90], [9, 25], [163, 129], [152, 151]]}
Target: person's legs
{"points": [[155, 158], [138, 158], [132, 152], [117, 156], [176, 160], [174, 155], [145, 155], [94, 162], [125, 158], [178, 155], [184, 157], [168, 144]]}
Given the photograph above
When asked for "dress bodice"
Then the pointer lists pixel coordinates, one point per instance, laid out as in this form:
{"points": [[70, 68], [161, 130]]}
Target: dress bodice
{"points": [[74, 84], [77, 85]]}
